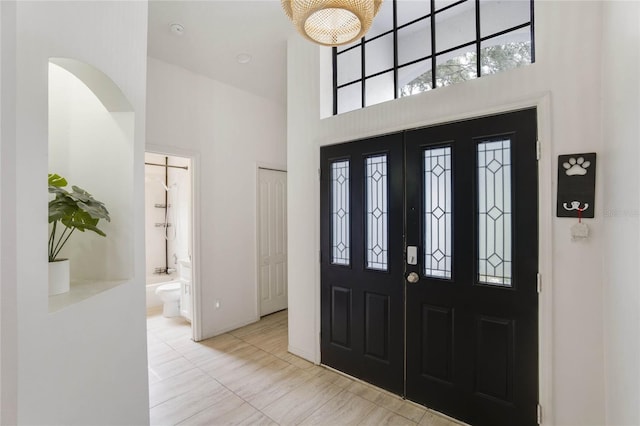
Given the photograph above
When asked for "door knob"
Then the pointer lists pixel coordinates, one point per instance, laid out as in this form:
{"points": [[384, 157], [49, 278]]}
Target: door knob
{"points": [[413, 278]]}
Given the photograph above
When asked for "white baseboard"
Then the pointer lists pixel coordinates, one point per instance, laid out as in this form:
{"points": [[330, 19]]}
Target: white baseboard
{"points": [[229, 328]]}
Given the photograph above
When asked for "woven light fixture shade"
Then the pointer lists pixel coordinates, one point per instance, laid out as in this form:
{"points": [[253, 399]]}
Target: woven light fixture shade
{"points": [[332, 22]]}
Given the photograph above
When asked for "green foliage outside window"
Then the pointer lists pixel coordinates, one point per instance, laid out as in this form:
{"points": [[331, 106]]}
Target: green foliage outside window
{"points": [[493, 59]]}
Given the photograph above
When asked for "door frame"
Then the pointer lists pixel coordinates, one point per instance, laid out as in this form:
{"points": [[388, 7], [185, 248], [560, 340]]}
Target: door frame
{"points": [[194, 157], [542, 103], [277, 168]]}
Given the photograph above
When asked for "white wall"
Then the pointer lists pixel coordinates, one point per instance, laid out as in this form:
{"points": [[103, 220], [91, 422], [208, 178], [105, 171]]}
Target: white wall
{"points": [[8, 259], [85, 364], [621, 204], [566, 75], [229, 132], [303, 188]]}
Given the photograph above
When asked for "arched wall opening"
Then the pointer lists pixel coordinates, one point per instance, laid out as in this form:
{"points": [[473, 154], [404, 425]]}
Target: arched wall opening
{"points": [[91, 135]]}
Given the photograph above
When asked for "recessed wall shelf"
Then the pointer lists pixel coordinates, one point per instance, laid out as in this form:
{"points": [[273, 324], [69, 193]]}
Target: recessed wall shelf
{"points": [[80, 290]]}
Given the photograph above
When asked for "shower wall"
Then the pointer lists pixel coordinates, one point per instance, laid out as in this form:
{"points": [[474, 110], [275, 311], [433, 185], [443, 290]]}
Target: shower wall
{"points": [[164, 246]]}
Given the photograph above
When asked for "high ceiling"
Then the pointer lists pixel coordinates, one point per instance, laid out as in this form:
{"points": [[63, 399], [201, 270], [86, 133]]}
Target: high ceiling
{"points": [[216, 32]]}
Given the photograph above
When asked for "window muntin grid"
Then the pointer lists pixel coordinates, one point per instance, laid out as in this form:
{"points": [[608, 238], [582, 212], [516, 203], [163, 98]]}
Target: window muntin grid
{"points": [[482, 23]]}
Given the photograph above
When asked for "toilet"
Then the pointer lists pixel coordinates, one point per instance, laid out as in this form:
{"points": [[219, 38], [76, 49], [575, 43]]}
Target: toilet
{"points": [[170, 295]]}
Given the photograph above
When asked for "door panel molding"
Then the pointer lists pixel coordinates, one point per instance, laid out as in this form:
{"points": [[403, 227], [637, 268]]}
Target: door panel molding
{"points": [[376, 327], [340, 317], [495, 335], [437, 351]]}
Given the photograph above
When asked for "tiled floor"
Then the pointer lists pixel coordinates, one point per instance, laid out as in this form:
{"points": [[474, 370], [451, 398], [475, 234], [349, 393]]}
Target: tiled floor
{"points": [[247, 377]]}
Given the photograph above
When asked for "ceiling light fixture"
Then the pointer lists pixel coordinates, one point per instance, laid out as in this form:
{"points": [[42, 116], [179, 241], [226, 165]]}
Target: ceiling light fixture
{"points": [[332, 22]]}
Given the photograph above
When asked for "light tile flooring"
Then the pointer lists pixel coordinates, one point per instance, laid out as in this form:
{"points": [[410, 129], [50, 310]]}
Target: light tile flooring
{"points": [[247, 377]]}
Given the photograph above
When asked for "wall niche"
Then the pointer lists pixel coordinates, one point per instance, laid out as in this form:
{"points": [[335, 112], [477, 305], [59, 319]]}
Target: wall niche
{"points": [[91, 134]]}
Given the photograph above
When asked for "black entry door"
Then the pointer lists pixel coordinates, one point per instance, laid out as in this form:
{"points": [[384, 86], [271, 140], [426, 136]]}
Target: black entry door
{"points": [[362, 264], [472, 317], [447, 256]]}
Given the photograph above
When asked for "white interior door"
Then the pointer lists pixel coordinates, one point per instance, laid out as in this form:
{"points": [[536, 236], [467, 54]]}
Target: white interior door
{"points": [[272, 240]]}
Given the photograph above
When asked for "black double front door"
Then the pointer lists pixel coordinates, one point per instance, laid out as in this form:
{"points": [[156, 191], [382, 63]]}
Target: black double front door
{"points": [[429, 266]]}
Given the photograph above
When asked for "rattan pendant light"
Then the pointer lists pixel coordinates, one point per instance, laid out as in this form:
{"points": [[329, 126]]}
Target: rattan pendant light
{"points": [[332, 22]]}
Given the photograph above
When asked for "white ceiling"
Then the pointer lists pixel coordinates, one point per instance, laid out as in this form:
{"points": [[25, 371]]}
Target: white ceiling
{"points": [[216, 32]]}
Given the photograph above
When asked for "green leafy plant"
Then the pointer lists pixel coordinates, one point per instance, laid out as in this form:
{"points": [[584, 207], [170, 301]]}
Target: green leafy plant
{"points": [[75, 210]]}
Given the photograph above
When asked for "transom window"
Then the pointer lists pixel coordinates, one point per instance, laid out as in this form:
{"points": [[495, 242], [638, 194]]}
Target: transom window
{"points": [[418, 45]]}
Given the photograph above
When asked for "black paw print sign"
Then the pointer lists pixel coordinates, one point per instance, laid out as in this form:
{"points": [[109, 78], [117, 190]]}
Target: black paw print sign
{"points": [[576, 185]]}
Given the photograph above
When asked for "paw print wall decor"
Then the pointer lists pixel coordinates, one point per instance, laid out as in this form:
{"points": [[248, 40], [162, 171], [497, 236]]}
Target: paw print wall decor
{"points": [[576, 185], [576, 166]]}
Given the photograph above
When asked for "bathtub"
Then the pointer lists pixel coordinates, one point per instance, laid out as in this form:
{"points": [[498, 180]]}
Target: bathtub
{"points": [[153, 282]]}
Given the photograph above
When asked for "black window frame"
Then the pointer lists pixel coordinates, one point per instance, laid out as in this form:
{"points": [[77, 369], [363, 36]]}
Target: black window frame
{"points": [[479, 39]]}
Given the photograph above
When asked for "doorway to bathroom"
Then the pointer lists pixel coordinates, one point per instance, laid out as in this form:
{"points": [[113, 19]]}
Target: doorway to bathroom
{"points": [[169, 231]]}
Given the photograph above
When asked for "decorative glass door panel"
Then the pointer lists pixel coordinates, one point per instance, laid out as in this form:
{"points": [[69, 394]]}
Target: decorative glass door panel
{"points": [[340, 225], [377, 212], [494, 212], [437, 212]]}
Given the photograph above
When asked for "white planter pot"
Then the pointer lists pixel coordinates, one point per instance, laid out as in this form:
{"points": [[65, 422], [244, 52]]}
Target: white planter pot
{"points": [[58, 277]]}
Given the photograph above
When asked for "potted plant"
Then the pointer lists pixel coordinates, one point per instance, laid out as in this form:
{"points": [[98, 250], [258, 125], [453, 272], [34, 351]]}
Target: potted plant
{"points": [[68, 212]]}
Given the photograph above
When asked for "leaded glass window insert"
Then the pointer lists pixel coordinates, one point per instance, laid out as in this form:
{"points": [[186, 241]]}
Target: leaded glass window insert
{"points": [[340, 224], [494, 213], [377, 212], [437, 212]]}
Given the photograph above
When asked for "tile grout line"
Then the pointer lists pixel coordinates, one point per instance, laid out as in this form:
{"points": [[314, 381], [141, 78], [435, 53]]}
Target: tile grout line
{"points": [[203, 372], [276, 356], [382, 392], [292, 390], [229, 389]]}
